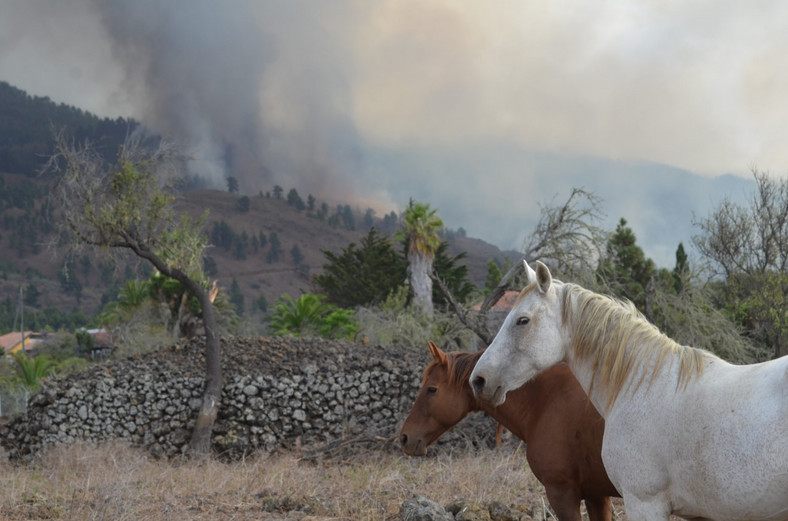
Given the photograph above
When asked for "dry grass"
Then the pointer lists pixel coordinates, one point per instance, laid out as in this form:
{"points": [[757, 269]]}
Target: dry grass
{"points": [[117, 482]]}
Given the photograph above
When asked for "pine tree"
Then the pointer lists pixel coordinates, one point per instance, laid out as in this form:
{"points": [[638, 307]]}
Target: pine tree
{"points": [[625, 269], [362, 274]]}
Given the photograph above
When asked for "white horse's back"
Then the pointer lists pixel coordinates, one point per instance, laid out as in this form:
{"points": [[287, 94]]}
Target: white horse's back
{"points": [[723, 438]]}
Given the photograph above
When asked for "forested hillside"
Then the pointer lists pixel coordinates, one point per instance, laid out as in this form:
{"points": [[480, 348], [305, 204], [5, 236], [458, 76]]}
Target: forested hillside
{"points": [[27, 124], [262, 245]]}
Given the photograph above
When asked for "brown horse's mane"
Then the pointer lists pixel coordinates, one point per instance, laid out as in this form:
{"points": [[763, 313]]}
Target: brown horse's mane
{"points": [[620, 342], [460, 367]]}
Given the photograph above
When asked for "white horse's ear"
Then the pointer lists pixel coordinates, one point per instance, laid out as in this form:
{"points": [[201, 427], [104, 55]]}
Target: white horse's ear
{"points": [[543, 277], [530, 274]]}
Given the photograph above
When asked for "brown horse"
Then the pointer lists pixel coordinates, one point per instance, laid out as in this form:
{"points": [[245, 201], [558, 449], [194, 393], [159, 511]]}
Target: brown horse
{"points": [[551, 414]]}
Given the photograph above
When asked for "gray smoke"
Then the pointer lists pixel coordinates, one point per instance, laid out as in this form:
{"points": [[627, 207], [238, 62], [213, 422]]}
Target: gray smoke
{"points": [[483, 112], [240, 85], [198, 70]]}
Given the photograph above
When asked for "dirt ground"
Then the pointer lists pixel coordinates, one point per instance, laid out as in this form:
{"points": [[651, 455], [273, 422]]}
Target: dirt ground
{"points": [[117, 482]]}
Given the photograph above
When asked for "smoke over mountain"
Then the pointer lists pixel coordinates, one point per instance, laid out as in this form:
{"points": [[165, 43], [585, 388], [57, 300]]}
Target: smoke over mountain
{"points": [[221, 79], [486, 111]]}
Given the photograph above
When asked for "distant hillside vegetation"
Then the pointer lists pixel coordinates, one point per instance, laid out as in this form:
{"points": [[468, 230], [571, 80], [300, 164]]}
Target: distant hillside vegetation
{"points": [[262, 245], [27, 124]]}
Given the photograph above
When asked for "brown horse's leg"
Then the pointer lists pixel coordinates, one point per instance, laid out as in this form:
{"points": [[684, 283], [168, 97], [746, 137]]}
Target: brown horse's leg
{"points": [[498, 435], [599, 508], [565, 502]]}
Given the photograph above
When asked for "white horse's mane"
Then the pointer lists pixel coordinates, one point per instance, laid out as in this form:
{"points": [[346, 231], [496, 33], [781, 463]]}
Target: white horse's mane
{"points": [[619, 342]]}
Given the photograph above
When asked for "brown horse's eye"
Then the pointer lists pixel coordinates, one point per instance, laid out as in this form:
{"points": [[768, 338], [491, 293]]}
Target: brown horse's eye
{"points": [[432, 390], [521, 321]]}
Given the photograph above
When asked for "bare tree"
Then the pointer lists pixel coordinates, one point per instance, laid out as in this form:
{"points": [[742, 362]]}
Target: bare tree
{"points": [[747, 246], [568, 237], [126, 207]]}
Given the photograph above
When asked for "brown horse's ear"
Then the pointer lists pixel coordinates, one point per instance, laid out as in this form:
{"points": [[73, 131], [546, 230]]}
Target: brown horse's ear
{"points": [[436, 352]]}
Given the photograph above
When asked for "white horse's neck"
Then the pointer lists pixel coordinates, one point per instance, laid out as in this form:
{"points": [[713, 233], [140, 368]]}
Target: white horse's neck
{"points": [[585, 376], [647, 378]]}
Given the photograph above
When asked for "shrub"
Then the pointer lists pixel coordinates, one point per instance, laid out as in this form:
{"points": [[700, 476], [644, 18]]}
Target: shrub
{"points": [[309, 315]]}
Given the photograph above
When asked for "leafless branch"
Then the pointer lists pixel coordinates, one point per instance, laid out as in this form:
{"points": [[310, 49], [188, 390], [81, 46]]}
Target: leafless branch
{"points": [[476, 325], [568, 236]]}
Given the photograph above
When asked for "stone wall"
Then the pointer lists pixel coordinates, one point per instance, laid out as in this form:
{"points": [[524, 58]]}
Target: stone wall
{"points": [[276, 391]]}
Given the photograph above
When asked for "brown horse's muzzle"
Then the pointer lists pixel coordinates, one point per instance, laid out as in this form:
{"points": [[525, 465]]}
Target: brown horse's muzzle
{"points": [[412, 445]]}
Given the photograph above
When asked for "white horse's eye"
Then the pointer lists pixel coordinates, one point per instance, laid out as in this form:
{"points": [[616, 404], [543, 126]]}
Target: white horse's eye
{"points": [[521, 321]]}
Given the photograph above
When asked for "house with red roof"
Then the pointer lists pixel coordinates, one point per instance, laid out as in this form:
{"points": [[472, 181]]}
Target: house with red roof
{"points": [[15, 341]]}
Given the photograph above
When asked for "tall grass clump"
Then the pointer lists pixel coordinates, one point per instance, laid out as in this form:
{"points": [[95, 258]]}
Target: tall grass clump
{"points": [[394, 322]]}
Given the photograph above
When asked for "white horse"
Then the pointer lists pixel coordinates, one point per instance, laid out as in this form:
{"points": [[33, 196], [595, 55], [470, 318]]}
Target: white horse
{"points": [[686, 432]]}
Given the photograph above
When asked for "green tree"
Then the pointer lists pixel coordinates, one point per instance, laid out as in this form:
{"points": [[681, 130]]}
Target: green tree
{"points": [[681, 269], [625, 270], [293, 199], [84, 341], [232, 184], [222, 235], [296, 255], [369, 218], [453, 274], [237, 297], [494, 276], [32, 295], [125, 207], [746, 245], [322, 213], [363, 274], [240, 245], [347, 217], [262, 303], [274, 249], [278, 190], [419, 231]]}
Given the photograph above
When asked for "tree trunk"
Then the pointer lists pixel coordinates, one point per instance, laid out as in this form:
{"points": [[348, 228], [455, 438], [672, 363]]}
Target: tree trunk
{"points": [[203, 427], [419, 269]]}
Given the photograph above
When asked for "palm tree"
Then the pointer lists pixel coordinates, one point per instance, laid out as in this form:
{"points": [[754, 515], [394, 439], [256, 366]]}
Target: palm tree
{"points": [[297, 317], [419, 231], [134, 294], [33, 370]]}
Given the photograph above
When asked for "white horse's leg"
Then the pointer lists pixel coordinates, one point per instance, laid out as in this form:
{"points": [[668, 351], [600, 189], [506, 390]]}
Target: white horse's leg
{"points": [[649, 509]]}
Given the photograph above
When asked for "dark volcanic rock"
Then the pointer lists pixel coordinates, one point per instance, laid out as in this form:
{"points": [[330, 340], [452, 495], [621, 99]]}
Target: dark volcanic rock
{"points": [[277, 392]]}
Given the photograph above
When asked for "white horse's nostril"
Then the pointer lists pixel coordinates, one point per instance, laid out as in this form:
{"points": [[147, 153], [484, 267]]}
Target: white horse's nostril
{"points": [[478, 384]]}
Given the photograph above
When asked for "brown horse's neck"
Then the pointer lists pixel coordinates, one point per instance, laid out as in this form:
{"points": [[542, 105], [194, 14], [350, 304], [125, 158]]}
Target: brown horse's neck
{"points": [[516, 413]]}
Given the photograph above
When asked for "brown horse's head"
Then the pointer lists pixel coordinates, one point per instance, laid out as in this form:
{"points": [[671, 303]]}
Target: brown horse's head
{"points": [[443, 400]]}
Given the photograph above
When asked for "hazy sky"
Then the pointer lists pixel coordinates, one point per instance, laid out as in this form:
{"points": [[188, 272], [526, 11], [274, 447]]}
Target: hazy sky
{"points": [[484, 109]]}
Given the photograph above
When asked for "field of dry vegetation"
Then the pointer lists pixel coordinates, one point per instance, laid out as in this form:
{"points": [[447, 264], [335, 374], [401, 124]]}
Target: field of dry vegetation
{"points": [[117, 482]]}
